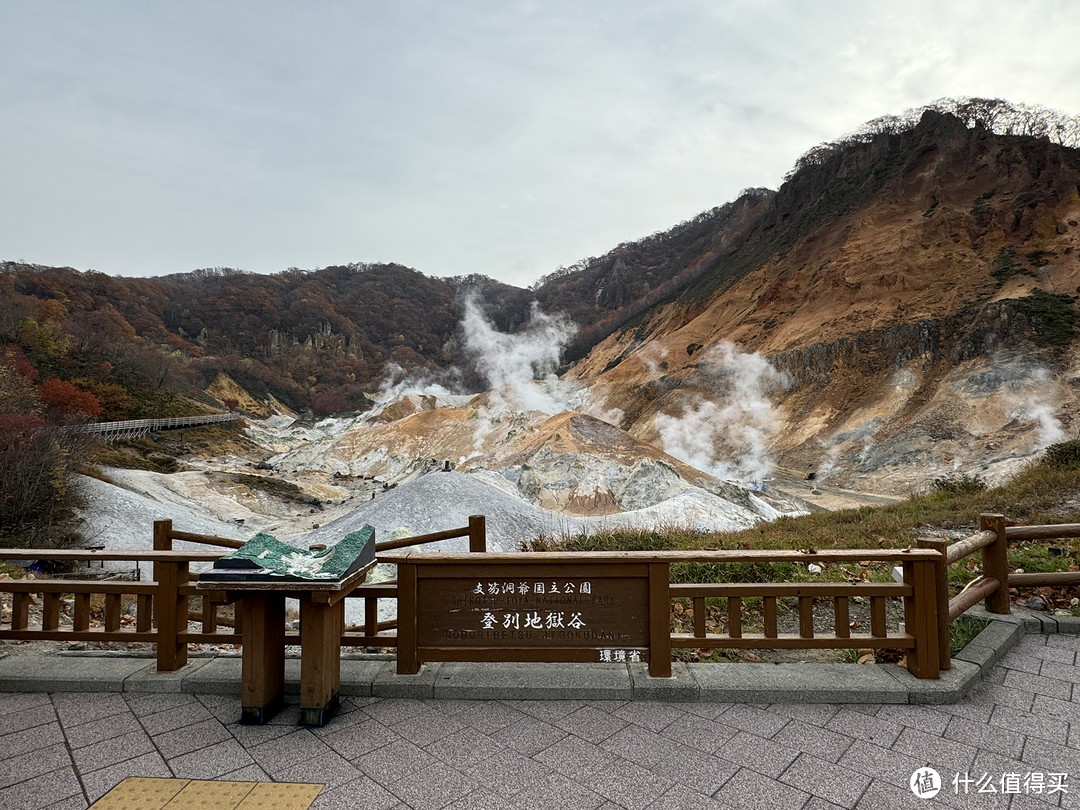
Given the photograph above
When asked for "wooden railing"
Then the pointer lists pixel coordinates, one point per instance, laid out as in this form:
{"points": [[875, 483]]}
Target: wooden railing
{"points": [[640, 593], [134, 428], [159, 611], [993, 580]]}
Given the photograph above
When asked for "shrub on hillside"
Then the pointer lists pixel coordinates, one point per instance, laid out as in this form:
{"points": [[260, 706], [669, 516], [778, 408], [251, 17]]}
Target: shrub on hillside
{"points": [[1063, 456], [960, 484]]}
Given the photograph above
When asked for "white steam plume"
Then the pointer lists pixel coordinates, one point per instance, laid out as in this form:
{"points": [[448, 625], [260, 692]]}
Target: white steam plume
{"points": [[1037, 402], [398, 382], [727, 436], [520, 367]]}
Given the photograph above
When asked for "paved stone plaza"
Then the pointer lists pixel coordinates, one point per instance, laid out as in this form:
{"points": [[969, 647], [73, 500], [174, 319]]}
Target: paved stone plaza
{"points": [[66, 749]]}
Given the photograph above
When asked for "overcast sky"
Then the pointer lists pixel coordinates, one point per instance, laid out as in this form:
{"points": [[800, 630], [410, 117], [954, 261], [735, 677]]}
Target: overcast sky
{"points": [[504, 138]]}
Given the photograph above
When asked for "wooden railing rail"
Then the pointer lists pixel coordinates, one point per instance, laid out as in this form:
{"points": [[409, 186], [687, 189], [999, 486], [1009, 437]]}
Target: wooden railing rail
{"points": [[919, 638], [154, 612]]}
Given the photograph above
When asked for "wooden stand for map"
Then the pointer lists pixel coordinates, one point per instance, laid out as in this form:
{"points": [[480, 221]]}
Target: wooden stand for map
{"points": [[262, 606]]}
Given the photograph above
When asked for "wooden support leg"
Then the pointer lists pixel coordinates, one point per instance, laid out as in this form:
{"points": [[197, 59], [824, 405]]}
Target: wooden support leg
{"points": [[263, 675], [320, 660]]}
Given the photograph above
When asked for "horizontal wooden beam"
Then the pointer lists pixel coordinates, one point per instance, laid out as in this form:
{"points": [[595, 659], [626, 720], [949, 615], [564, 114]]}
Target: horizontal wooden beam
{"points": [[90, 586], [961, 548], [117, 555], [1045, 578], [972, 596], [1051, 532], [789, 641], [815, 589], [844, 555]]}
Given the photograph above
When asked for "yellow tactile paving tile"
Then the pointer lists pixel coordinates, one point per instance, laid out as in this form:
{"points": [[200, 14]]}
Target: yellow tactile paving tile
{"points": [[142, 793], [280, 796], [210, 795]]}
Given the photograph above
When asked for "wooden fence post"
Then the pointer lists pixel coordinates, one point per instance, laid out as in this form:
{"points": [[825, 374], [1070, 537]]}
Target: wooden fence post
{"points": [[407, 659], [941, 590], [920, 618], [162, 541], [171, 612], [477, 533], [659, 620], [995, 562]]}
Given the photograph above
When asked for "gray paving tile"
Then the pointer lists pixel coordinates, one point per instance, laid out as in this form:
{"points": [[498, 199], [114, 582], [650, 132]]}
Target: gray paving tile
{"points": [[249, 773], [185, 714], [100, 782], [529, 735], [577, 756], [1064, 640], [1060, 671], [885, 796], [894, 767], [826, 780], [989, 737], [107, 752], [426, 727], [52, 790], [557, 792], [814, 714], [940, 753], [31, 739], [330, 770], [757, 753], [546, 710], [19, 768], [483, 799], [191, 738], [250, 736], [681, 797], [1053, 707], [391, 762], [289, 749], [100, 730], [74, 708], [11, 702], [432, 787], [488, 716], [750, 790], [991, 695], [1047, 756], [389, 711], [504, 771], [925, 718], [698, 732], [1027, 646], [1051, 687], [626, 785], [752, 719], [695, 769], [354, 741], [591, 724], [820, 742], [1021, 662], [653, 715], [361, 792], [1040, 725], [862, 726], [30, 717], [211, 762], [143, 704]]}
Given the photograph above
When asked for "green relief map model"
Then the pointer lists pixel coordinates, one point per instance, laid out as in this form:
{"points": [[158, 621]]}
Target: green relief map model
{"points": [[265, 558]]}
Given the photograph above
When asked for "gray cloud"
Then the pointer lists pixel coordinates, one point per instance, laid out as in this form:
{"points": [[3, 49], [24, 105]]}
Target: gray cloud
{"points": [[502, 138]]}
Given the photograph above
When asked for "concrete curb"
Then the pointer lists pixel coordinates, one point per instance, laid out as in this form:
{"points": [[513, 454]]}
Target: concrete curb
{"points": [[721, 683]]}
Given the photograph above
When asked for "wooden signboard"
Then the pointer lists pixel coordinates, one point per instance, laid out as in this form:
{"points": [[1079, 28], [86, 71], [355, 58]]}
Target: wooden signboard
{"points": [[503, 607]]}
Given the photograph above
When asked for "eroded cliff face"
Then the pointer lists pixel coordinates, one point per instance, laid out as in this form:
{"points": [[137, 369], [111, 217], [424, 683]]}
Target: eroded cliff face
{"points": [[918, 292]]}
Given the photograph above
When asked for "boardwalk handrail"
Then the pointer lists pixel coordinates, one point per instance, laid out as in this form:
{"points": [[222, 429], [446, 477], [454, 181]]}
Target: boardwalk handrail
{"points": [[131, 428]]}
